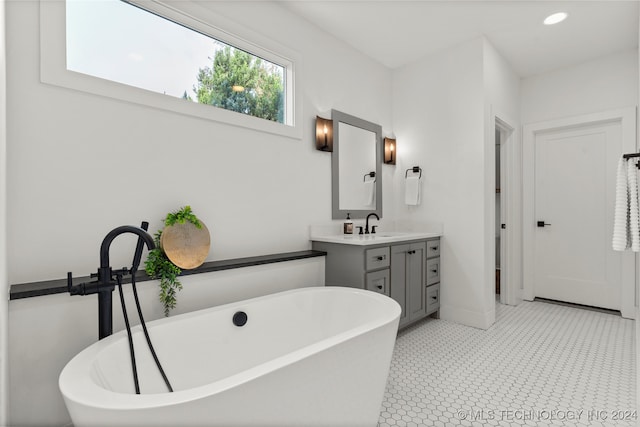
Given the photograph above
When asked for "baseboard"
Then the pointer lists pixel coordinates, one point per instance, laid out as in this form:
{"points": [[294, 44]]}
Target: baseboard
{"points": [[467, 317]]}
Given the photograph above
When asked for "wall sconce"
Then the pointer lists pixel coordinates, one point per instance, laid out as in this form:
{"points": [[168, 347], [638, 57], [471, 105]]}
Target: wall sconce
{"points": [[390, 151], [324, 134]]}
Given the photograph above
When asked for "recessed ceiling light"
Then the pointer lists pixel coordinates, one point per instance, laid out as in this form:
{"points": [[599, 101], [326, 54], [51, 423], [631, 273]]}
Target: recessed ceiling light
{"points": [[555, 18]]}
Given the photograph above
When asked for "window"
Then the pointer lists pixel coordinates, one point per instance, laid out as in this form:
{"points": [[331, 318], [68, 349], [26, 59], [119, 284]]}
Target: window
{"points": [[173, 55]]}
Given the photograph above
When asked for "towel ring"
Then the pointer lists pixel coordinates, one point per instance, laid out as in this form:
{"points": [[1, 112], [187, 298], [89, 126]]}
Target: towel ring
{"points": [[414, 169], [371, 174]]}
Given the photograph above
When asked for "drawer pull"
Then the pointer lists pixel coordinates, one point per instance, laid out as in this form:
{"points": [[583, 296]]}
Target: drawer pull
{"points": [[434, 297], [434, 271], [434, 248], [379, 286], [381, 258]]}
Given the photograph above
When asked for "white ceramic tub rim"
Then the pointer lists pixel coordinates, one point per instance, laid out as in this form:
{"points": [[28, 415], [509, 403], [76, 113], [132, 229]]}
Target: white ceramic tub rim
{"points": [[85, 391]]}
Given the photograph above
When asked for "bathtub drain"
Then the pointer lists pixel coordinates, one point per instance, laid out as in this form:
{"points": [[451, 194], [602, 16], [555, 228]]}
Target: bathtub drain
{"points": [[240, 318]]}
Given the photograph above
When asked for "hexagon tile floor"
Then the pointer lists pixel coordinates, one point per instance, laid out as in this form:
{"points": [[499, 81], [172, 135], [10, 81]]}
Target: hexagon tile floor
{"points": [[540, 364]]}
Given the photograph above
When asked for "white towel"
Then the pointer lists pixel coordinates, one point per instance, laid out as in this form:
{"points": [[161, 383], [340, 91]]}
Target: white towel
{"points": [[412, 190], [634, 218], [370, 192], [626, 224], [621, 213]]}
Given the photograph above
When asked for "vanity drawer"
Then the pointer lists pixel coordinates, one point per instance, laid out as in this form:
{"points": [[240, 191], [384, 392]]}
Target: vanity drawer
{"points": [[433, 298], [433, 248], [378, 281], [433, 271], [377, 258]]}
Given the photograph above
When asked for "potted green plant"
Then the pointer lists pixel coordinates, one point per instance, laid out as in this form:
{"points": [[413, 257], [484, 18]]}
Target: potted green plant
{"points": [[159, 264]]}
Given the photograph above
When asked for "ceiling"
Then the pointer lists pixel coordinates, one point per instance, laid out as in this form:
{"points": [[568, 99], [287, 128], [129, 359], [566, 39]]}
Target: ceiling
{"points": [[396, 33]]}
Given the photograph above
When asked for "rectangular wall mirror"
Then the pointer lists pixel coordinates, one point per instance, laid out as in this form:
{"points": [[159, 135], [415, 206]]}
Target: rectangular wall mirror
{"points": [[356, 167]]}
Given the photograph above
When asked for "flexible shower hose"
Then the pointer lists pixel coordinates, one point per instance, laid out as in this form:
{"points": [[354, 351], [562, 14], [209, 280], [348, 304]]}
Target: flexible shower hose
{"points": [[134, 269]]}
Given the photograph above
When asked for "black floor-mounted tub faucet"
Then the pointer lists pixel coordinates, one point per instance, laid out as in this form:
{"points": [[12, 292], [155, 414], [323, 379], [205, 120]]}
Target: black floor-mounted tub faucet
{"points": [[105, 283]]}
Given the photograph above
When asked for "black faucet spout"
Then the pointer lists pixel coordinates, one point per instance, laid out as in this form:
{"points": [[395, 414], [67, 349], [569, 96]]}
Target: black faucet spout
{"points": [[106, 242], [106, 283], [366, 228]]}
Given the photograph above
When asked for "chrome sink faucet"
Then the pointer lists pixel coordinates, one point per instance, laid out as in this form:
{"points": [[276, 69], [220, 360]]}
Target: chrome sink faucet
{"points": [[366, 228]]}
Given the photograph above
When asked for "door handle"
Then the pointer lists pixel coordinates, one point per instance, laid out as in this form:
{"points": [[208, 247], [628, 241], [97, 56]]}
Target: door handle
{"points": [[542, 224]]}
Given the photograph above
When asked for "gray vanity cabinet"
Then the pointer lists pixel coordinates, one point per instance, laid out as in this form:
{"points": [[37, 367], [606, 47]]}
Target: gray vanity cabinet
{"points": [[352, 266], [433, 277], [408, 272], [408, 263]]}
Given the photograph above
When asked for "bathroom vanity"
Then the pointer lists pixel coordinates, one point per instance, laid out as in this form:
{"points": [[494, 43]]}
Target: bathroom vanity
{"points": [[403, 266]]}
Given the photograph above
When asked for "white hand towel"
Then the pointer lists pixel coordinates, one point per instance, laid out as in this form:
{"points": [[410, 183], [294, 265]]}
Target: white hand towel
{"points": [[621, 213], [412, 190], [370, 192], [634, 217]]}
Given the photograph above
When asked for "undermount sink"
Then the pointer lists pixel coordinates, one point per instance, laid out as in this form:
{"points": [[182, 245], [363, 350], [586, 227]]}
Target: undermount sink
{"points": [[390, 234]]}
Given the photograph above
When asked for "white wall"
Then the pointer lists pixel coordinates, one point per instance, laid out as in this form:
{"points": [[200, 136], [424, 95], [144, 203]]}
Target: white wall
{"points": [[438, 116], [443, 114], [606, 83], [80, 165], [502, 100], [96, 163], [4, 328]]}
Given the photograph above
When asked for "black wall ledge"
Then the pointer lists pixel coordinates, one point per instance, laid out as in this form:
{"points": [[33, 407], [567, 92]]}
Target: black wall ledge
{"points": [[59, 286]]}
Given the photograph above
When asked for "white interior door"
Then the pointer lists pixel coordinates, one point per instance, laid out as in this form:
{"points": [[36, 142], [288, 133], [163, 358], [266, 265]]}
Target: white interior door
{"points": [[575, 170]]}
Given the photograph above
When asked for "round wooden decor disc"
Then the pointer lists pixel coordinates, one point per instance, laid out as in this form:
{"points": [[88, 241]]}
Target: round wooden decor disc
{"points": [[186, 245]]}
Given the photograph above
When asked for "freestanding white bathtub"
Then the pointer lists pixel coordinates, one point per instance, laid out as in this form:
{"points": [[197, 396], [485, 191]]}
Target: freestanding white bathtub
{"points": [[308, 357]]}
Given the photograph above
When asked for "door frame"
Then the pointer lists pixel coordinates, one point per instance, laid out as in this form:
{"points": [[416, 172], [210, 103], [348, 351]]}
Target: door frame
{"points": [[509, 286], [627, 119]]}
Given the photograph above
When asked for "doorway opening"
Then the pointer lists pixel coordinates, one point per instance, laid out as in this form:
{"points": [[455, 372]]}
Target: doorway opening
{"points": [[505, 212], [498, 214]]}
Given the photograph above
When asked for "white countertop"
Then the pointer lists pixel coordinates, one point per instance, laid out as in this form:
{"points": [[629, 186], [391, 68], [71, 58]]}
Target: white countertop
{"points": [[380, 237]]}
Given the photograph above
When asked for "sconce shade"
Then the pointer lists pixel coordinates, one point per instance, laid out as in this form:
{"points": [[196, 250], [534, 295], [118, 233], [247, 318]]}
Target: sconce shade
{"points": [[390, 151], [324, 134]]}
